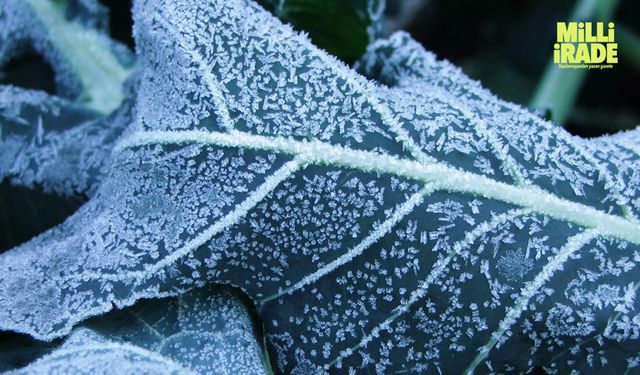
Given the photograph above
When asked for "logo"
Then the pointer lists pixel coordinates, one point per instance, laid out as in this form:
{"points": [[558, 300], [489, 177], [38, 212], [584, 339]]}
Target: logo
{"points": [[585, 45]]}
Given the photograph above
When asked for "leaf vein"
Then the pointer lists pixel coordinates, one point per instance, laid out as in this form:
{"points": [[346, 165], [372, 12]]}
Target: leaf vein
{"points": [[437, 269], [451, 179], [573, 245], [384, 228]]}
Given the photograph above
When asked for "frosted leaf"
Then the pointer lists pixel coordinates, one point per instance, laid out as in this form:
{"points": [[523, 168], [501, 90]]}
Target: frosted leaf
{"points": [[548, 158], [421, 226], [87, 352], [58, 145], [206, 331], [620, 156]]}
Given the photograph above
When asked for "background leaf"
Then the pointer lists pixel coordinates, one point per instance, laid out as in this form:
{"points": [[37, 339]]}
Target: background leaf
{"points": [[50, 178], [96, 78], [205, 331], [342, 28]]}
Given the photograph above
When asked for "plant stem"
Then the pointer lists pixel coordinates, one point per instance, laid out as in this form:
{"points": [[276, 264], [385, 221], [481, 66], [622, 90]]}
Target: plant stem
{"points": [[89, 53]]}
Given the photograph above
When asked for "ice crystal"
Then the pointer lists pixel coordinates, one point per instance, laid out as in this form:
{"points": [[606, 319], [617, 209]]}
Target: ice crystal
{"points": [[514, 265]]}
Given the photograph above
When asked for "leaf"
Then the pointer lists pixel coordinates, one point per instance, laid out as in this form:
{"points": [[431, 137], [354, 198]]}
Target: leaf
{"points": [[342, 28], [87, 352], [53, 143], [49, 146], [420, 226], [206, 331]]}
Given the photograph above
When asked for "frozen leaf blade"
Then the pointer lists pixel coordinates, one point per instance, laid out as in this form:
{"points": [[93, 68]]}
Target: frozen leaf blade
{"points": [[420, 226], [55, 144], [205, 331]]}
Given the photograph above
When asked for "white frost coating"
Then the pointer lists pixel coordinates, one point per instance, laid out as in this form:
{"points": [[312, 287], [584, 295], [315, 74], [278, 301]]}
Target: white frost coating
{"points": [[205, 331], [359, 84], [104, 358], [501, 151], [54, 143], [574, 244], [436, 271], [225, 222], [215, 334], [218, 99], [602, 171], [608, 179], [380, 231], [409, 61], [449, 178], [367, 89], [630, 146]]}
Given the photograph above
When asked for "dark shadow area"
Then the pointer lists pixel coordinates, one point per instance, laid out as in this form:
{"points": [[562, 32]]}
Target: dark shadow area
{"points": [[120, 21], [18, 350], [537, 371], [25, 213], [29, 71]]}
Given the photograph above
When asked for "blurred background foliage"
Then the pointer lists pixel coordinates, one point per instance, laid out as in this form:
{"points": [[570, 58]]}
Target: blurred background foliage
{"points": [[505, 44]]}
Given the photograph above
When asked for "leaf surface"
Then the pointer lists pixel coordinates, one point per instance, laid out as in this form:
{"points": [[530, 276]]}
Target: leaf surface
{"points": [[50, 142]]}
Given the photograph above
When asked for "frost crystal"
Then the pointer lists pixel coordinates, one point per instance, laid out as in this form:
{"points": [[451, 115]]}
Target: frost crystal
{"points": [[514, 265]]}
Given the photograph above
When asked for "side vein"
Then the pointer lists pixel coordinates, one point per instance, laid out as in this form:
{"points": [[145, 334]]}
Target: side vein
{"points": [[438, 268], [223, 223], [574, 244], [486, 132], [216, 93], [381, 230]]}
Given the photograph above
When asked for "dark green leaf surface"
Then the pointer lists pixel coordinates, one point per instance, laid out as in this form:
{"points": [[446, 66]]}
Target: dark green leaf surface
{"points": [[344, 28]]}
